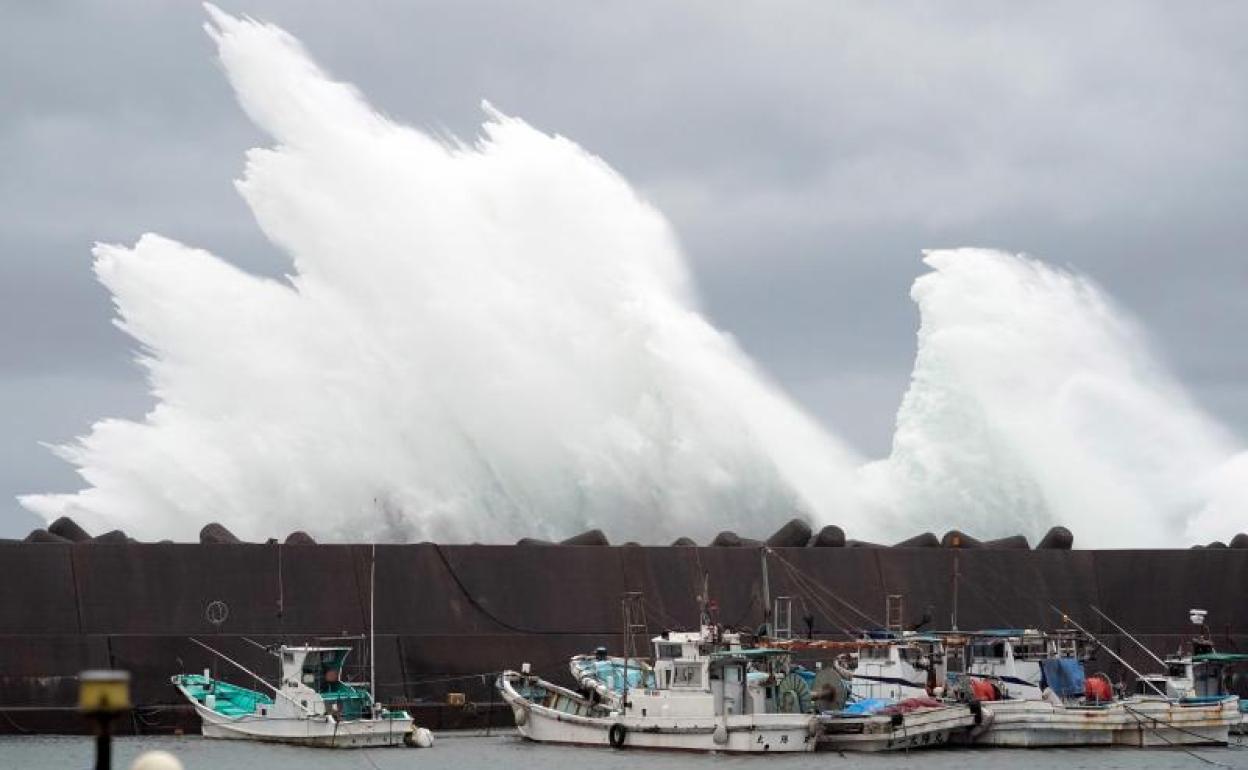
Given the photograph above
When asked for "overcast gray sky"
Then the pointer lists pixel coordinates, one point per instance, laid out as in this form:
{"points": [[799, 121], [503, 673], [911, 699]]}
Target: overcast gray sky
{"points": [[805, 152]]}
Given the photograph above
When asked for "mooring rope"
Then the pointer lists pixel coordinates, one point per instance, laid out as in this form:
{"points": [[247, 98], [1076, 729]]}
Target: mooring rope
{"points": [[1142, 720]]}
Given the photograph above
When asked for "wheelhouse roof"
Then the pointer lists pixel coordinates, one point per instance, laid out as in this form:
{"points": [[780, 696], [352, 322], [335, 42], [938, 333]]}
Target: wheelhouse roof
{"points": [[1220, 657], [302, 648]]}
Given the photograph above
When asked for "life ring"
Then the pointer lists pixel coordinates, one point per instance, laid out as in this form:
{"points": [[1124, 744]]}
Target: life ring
{"points": [[616, 735]]}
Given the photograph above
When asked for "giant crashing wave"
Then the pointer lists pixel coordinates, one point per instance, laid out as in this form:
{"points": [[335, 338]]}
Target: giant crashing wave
{"points": [[482, 341]]}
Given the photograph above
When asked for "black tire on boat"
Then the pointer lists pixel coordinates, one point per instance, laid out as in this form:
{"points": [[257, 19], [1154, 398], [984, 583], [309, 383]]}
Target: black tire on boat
{"points": [[616, 735]]}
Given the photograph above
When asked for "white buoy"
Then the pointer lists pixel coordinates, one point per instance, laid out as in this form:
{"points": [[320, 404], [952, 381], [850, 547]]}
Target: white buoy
{"points": [[156, 760], [423, 737]]}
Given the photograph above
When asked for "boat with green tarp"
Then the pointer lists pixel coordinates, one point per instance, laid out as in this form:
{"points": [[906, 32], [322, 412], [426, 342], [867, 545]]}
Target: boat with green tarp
{"points": [[311, 705]]}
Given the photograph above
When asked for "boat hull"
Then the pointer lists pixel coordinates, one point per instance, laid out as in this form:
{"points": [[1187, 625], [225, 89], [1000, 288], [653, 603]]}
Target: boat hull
{"points": [[1035, 724], [320, 731], [737, 734], [1156, 722], [926, 728]]}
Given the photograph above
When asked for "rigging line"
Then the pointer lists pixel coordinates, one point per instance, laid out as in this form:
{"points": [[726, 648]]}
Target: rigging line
{"points": [[1140, 720], [847, 625], [754, 601], [832, 616], [1173, 726], [837, 619], [663, 615], [832, 594], [988, 598]]}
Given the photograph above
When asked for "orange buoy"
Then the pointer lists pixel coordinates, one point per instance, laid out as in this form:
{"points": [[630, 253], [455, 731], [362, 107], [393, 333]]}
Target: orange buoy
{"points": [[983, 690], [1097, 689]]}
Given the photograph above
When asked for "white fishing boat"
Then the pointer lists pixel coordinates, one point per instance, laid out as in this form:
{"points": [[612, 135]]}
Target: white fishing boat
{"points": [[884, 691], [311, 706], [695, 697], [897, 666], [881, 725], [895, 682], [1198, 680], [1032, 698], [1012, 659]]}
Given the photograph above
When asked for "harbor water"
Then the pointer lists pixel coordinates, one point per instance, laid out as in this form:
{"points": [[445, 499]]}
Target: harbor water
{"points": [[506, 752]]}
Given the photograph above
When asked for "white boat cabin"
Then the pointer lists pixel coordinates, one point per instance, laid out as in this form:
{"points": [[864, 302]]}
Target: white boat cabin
{"points": [[896, 667], [707, 673], [1012, 659], [313, 683]]}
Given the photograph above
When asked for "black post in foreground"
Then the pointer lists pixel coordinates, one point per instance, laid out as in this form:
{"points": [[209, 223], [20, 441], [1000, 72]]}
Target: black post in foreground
{"points": [[102, 695]]}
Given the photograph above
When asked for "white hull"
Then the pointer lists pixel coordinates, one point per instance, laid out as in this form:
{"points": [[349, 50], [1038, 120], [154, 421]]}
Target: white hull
{"points": [[321, 731], [1155, 722], [1029, 724], [744, 734], [915, 730]]}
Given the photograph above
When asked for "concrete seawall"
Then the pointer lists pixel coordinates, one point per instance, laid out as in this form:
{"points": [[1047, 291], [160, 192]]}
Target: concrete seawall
{"points": [[448, 616]]}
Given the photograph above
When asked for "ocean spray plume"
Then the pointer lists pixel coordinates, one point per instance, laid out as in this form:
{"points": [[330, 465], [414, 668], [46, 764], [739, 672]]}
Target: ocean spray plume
{"points": [[1034, 401], [476, 342], [500, 339]]}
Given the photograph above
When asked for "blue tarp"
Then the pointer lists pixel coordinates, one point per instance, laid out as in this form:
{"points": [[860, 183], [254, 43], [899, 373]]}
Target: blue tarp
{"points": [[867, 706], [611, 673], [1064, 676]]}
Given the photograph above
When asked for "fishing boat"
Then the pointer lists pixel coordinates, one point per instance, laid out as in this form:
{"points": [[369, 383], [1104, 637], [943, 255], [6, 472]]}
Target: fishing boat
{"points": [[1198, 680], [884, 691], [311, 706], [1012, 660], [1040, 696], [697, 695]]}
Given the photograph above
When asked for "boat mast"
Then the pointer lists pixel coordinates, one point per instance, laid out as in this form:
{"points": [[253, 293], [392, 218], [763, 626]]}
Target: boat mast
{"points": [[953, 618], [1139, 677], [372, 628], [766, 596]]}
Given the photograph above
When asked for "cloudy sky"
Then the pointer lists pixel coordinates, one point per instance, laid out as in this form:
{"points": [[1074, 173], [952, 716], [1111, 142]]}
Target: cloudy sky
{"points": [[805, 152]]}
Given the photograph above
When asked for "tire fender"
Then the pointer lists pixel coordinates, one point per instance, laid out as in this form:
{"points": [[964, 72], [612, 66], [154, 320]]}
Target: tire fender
{"points": [[616, 735]]}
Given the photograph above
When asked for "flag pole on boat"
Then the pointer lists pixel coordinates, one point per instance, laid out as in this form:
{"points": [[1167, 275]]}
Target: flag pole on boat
{"points": [[1138, 643], [1139, 677]]}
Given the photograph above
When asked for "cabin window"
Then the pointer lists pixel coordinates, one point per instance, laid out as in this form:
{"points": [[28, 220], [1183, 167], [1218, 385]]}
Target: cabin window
{"points": [[910, 654], [988, 650], [874, 653], [1030, 652], [1176, 670], [687, 675], [1149, 686], [668, 651], [288, 657]]}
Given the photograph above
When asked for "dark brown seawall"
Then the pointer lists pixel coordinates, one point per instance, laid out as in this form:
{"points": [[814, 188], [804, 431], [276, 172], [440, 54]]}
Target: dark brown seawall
{"points": [[448, 616]]}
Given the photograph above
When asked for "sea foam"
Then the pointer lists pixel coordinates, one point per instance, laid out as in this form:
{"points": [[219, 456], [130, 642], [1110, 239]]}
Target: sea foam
{"points": [[476, 341], [487, 340]]}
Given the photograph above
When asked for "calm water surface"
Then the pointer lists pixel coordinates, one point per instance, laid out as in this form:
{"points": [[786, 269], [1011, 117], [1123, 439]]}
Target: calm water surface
{"points": [[465, 752]]}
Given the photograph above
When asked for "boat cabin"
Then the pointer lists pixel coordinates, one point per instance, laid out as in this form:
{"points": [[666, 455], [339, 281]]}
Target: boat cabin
{"points": [[1200, 672], [312, 677], [898, 666], [1012, 658]]}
